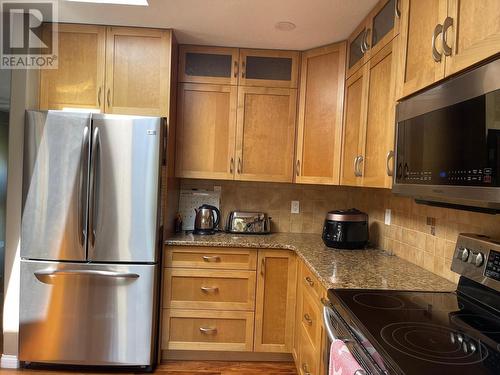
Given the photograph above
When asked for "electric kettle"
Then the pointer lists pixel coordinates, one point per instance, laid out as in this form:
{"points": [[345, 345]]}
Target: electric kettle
{"points": [[206, 220]]}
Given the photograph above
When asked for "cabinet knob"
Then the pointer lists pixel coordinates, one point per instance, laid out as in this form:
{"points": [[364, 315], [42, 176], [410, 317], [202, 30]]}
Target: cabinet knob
{"points": [[397, 9], [308, 319], [108, 97], [208, 330], [211, 258], [209, 289], [309, 281], [298, 168], [435, 53]]}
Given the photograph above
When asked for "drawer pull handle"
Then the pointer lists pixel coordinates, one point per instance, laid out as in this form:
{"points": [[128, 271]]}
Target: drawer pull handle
{"points": [[309, 281], [211, 258], [308, 319], [305, 367], [209, 289], [208, 330]]}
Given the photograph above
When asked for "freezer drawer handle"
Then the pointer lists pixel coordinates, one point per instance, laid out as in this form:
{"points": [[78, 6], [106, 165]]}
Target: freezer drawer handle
{"points": [[52, 273]]}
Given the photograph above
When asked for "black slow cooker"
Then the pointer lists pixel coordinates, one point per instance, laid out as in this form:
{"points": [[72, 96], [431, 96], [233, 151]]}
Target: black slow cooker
{"points": [[346, 229]]}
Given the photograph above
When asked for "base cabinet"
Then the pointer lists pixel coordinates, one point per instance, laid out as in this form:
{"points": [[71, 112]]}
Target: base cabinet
{"points": [[310, 341], [228, 299], [275, 301]]}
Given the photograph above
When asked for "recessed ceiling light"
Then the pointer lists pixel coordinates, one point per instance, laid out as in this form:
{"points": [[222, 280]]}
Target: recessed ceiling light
{"points": [[285, 26], [116, 2]]}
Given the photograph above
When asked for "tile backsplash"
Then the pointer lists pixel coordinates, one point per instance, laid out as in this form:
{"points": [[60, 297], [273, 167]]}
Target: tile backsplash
{"points": [[421, 234]]}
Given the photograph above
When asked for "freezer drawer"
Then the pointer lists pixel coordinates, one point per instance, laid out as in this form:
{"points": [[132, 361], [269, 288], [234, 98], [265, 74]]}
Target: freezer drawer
{"points": [[85, 314]]}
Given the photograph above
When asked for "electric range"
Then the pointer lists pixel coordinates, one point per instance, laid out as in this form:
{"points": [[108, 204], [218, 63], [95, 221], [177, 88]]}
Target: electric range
{"points": [[421, 332]]}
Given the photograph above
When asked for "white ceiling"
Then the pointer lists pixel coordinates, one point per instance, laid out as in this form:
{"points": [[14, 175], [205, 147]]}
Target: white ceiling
{"points": [[242, 23]]}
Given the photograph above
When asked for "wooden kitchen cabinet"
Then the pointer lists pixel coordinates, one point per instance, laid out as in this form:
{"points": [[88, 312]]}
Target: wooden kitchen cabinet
{"points": [[474, 34], [369, 123], [268, 68], [206, 131], [265, 136], [310, 337], [275, 301], [354, 117], [319, 134], [378, 28], [443, 37], [78, 82], [379, 127], [137, 71], [201, 64], [120, 70]]}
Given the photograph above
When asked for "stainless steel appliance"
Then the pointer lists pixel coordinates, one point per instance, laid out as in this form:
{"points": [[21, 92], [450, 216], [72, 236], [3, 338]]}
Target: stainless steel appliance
{"points": [[346, 229], [89, 239], [247, 222], [448, 142], [207, 219], [419, 332]]}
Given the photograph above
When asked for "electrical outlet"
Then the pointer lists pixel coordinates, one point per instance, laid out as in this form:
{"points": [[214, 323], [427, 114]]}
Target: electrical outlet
{"points": [[295, 207], [387, 219]]}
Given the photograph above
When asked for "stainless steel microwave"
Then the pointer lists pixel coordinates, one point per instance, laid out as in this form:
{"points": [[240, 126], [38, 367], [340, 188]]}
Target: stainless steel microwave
{"points": [[448, 142]]}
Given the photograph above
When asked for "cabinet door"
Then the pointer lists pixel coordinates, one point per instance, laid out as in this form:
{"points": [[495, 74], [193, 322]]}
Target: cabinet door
{"points": [[206, 130], [384, 24], [137, 71], [275, 301], [216, 65], [78, 82], [420, 19], [269, 68], [354, 117], [380, 120], [265, 134], [356, 49], [319, 134], [474, 34]]}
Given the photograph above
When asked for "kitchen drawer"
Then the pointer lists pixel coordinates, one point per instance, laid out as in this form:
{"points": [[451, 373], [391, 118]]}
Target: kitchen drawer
{"points": [[311, 284], [207, 330], [309, 358], [210, 257], [209, 289], [311, 320]]}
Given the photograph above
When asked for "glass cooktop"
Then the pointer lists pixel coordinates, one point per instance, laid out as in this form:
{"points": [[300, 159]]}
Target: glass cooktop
{"points": [[422, 332]]}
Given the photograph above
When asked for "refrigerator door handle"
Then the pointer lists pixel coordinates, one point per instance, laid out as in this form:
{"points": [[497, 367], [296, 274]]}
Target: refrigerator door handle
{"points": [[52, 273], [82, 202], [94, 182]]}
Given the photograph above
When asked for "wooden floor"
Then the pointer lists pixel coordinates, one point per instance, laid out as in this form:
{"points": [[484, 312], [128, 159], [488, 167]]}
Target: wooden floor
{"points": [[192, 367]]}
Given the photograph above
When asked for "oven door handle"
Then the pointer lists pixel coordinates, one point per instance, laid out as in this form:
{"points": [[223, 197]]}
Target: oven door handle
{"points": [[327, 311]]}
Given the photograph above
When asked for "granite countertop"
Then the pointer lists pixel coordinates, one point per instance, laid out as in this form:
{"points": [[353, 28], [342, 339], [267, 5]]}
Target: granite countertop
{"points": [[363, 269]]}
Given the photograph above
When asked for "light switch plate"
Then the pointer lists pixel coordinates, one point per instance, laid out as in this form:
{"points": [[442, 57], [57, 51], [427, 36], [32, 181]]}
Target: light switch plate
{"points": [[295, 209], [387, 216]]}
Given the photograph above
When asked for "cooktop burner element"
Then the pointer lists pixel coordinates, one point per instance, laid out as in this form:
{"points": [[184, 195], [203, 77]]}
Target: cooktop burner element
{"points": [[379, 301], [434, 343]]}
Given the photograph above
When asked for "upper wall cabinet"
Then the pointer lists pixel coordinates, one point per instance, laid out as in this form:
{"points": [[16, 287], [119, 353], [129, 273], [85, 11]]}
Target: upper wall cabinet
{"points": [[79, 80], [265, 134], [137, 71], [206, 130], [321, 101], [443, 37], [268, 68], [378, 29], [218, 65], [112, 69], [368, 139]]}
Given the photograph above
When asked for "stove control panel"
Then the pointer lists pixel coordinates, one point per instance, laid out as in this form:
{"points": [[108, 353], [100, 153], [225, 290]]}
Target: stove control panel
{"points": [[478, 258]]}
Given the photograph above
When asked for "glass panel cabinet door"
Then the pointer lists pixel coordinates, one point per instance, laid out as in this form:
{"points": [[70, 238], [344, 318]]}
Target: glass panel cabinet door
{"points": [[383, 22], [269, 68], [198, 64]]}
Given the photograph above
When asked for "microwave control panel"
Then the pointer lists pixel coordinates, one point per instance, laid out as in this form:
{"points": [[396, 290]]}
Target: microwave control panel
{"points": [[471, 177]]}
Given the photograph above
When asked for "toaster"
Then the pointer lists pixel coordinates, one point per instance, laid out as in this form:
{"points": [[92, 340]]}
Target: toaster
{"points": [[346, 229], [248, 222]]}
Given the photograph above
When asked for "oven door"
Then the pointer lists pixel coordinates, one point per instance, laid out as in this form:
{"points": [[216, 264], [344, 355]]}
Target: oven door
{"points": [[448, 141], [337, 329]]}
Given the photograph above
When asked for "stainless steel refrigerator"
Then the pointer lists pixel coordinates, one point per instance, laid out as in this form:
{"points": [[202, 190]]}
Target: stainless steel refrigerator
{"points": [[90, 238]]}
